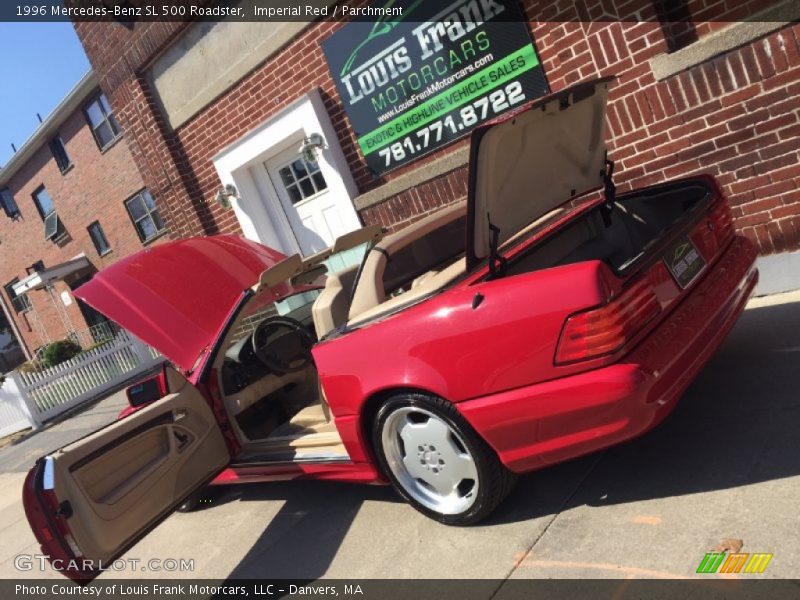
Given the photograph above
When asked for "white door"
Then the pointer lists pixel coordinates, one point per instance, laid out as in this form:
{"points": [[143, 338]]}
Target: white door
{"points": [[316, 214]]}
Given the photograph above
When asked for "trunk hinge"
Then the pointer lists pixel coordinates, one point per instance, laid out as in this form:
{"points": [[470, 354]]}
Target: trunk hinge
{"points": [[609, 191], [497, 262]]}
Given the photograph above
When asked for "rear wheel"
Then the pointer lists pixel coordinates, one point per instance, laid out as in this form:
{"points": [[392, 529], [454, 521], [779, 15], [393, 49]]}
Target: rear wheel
{"points": [[437, 462]]}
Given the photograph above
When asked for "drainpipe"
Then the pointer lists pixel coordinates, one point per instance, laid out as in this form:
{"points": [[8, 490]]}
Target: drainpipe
{"points": [[12, 322]]}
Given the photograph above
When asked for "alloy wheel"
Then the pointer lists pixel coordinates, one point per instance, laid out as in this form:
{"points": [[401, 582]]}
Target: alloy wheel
{"points": [[430, 460]]}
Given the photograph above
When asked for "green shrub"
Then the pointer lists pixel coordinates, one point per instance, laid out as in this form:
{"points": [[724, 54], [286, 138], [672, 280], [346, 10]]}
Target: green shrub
{"points": [[59, 352]]}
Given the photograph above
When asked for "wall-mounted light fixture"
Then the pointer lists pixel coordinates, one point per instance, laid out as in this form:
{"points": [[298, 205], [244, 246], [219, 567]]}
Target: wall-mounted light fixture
{"points": [[225, 194], [311, 147]]}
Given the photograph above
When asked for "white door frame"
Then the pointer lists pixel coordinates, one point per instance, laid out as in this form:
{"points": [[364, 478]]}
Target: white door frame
{"points": [[258, 208]]}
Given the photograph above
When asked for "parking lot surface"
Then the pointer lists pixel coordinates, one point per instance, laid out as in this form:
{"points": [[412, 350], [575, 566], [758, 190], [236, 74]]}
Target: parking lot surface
{"points": [[724, 465]]}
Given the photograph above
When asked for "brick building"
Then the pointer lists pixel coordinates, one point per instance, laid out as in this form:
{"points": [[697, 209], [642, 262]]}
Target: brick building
{"points": [[208, 104], [72, 202]]}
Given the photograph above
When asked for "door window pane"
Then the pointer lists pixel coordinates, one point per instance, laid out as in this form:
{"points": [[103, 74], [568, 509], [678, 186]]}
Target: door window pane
{"points": [[302, 179]]}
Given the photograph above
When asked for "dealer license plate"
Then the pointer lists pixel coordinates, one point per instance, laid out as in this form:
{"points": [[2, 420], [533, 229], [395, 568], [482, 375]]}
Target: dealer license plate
{"points": [[684, 262]]}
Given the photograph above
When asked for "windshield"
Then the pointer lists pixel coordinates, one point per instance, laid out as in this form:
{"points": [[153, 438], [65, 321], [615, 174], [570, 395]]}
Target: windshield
{"points": [[298, 305]]}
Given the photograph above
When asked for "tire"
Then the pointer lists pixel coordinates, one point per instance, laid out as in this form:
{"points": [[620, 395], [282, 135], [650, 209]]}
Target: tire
{"points": [[436, 461]]}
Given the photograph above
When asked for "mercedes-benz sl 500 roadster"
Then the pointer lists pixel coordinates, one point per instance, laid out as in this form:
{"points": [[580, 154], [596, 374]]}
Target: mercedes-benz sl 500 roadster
{"points": [[544, 317]]}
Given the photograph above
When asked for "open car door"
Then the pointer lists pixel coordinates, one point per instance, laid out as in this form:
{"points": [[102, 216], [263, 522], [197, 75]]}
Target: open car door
{"points": [[90, 501]]}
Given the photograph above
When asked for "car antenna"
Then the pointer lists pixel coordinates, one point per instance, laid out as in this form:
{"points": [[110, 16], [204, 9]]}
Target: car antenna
{"points": [[609, 191]]}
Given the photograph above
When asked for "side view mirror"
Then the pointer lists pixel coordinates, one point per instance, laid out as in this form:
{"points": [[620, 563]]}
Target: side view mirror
{"points": [[145, 392]]}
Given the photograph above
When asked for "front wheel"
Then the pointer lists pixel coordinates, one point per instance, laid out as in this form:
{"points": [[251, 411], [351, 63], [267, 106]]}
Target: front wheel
{"points": [[437, 462]]}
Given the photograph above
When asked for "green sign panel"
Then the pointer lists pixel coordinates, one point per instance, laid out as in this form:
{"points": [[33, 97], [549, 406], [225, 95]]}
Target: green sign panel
{"points": [[425, 73]]}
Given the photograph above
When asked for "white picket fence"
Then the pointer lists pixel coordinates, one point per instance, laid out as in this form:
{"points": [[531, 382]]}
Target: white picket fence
{"points": [[14, 414], [43, 395]]}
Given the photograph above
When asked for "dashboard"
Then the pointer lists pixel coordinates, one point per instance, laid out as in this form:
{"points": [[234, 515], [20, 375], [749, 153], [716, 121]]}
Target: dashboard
{"points": [[242, 367]]}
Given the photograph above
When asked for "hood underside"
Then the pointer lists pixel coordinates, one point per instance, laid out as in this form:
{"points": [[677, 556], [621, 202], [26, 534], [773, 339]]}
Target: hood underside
{"points": [[532, 161], [178, 296]]}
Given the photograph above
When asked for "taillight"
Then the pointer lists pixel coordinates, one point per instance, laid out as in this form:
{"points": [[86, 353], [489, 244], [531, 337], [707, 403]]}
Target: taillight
{"points": [[722, 221], [607, 329]]}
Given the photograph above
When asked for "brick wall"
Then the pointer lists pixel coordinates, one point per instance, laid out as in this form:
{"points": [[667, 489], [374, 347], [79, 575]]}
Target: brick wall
{"points": [[735, 116], [94, 188]]}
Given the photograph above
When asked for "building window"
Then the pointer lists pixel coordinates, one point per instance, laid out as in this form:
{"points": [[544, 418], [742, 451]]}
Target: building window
{"points": [[145, 216], [102, 121], [99, 238], [59, 151], [302, 180], [43, 201], [35, 267], [20, 303], [9, 206]]}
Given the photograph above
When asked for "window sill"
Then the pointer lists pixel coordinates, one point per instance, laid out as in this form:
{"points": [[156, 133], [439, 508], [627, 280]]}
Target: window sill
{"points": [[106, 253], [159, 235], [734, 36], [68, 169]]}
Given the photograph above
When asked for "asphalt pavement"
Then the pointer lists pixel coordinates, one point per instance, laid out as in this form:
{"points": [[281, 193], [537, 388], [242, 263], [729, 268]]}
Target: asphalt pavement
{"points": [[724, 465]]}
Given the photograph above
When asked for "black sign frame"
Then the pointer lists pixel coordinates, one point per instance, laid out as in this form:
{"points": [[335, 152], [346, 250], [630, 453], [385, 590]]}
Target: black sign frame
{"points": [[425, 74]]}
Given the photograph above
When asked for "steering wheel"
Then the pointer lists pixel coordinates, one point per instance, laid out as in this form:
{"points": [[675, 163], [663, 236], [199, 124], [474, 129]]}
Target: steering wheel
{"points": [[283, 345]]}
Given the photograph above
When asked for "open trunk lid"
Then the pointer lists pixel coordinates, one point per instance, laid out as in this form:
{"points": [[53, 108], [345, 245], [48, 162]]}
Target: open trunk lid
{"points": [[529, 162]]}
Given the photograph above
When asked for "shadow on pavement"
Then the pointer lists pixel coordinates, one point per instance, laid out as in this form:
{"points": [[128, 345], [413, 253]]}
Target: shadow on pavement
{"points": [[301, 540]]}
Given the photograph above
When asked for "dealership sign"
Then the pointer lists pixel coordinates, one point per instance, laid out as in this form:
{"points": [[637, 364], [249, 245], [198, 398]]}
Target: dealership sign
{"points": [[426, 73]]}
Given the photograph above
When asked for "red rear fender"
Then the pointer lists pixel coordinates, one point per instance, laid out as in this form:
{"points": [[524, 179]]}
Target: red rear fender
{"points": [[466, 342]]}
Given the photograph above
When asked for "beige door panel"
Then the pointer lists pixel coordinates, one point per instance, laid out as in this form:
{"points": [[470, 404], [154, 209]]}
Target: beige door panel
{"points": [[124, 478]]}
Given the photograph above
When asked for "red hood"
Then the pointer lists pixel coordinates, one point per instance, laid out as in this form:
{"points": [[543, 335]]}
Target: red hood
{"points": [[178, 296]]}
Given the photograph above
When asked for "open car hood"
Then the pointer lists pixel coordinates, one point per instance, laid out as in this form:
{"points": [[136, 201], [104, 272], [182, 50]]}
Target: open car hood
{"points": [[525, 164], [178, 296]]}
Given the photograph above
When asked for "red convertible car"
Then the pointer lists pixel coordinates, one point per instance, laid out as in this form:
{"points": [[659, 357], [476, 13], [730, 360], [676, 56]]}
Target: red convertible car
{"points": [[544, 318]]}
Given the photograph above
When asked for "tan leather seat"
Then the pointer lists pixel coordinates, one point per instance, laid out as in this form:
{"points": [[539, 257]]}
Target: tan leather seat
{"points": [[370, 291], [332, 306]]}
